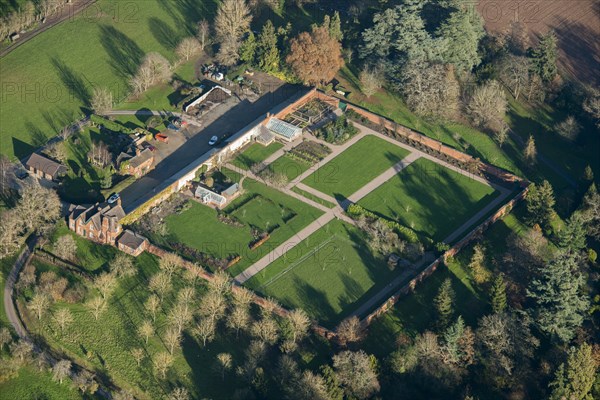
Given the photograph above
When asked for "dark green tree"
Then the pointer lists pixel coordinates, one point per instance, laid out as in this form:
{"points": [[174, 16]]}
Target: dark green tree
{"points": [[540, 203], [462, 32], [560, 304], [444, 304], [267, 52], [590, 211], [572, 236], [544, 57], [335, 27], [498, 294], [248, 49], [575, 379]]}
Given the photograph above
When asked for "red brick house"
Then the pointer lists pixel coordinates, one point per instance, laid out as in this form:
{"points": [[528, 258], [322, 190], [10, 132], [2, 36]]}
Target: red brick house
{"points": [[140, 164], [99, 223], [132, 243]]}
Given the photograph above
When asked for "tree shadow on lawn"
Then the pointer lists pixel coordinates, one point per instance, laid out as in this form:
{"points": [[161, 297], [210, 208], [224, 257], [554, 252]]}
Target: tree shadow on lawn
{"points": [[21, 149], [163, 33], [73, 81], [314, 302], [202, 360], [125, 55], [38, 136], [187, 12]]}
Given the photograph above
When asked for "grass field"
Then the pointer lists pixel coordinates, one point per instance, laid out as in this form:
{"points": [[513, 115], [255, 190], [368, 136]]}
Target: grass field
{"points": [[355, 167], [290, 167], [33, 384], [90, 256], [199, 227], [457, 135], [429, 198], [48, 80], [110, 339], [328, 274], [312, 197], [255, 153]]}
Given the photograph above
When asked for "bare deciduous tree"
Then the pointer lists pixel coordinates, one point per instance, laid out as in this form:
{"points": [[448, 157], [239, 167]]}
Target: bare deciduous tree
{"points": [[162, 363], [350, 330], [221, 283], [205, 330], [569, 128], [38, 206], [203, 34], [138, 355], [154, 69], [106, 284], [356, 374], [61, 370], [96, 306], [187, 48], [266, 330], [229, 51], [180, 316], [173, 339], [232, 20], [122, 265], [430, 90], [161, 284], [21, 351], [299, 322], [238, 319], [179, 394], [514, 72], [186, 297], [242, 296], [487, 106], [170, 263], [102, 101], [146, 330], [152, 305], [63, 318], [40, 304], [65, 247], [224, 363], [212, 306], [371, 80]]}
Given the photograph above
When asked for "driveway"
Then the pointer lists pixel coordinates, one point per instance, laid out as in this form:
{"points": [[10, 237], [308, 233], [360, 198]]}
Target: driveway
{"points": [[224, 126]]}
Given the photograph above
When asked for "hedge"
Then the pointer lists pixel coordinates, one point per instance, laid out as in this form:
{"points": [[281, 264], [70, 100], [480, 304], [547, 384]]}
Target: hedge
{"points": [[355, 211]]}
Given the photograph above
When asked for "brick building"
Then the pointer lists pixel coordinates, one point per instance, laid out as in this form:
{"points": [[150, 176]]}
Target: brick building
{"points": [[99, 223]]}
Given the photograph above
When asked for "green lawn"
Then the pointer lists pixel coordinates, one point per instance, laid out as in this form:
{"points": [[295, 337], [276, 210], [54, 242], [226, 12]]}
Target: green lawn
{"points": [[457, 135], [290, 167], [30, 383], [255, 153], [199, 227], [105, 345], [91, 256], [355, 167], [328, 274], [50, 78], [312, 197], [429, 198]]}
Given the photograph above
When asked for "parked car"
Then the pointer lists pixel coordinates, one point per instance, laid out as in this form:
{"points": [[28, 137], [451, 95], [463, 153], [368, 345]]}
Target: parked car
{"points": [[113, 199], [162, 138], [213, 140]]}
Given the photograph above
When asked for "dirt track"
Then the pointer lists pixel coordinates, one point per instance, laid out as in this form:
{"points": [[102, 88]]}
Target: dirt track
{"points": [[576, 23]]}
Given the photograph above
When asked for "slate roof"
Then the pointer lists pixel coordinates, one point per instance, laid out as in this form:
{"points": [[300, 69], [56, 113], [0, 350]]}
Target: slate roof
{"points": [[131, 240], [45, 165], [141, 158]]}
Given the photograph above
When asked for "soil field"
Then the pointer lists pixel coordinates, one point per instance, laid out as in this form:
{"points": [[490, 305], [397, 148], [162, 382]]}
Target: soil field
{"points": [[576, 23]]}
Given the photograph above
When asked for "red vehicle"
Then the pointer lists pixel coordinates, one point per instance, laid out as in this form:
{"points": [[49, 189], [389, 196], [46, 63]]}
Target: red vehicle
{"points": [[162, 138]]}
